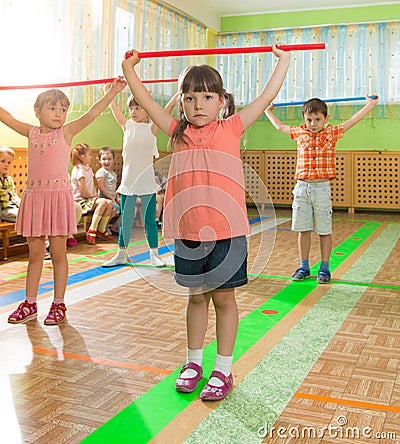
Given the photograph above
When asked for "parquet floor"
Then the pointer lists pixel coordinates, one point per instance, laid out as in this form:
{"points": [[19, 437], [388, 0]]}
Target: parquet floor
{"points": [[126, 333]]}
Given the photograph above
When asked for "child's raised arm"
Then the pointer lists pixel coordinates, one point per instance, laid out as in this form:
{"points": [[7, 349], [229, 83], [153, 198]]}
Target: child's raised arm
{"points": [[117, 113], [156, 112], [75, 126], [278, 124], [253, 111], [169, 107], [20, 127], [362, 113]]}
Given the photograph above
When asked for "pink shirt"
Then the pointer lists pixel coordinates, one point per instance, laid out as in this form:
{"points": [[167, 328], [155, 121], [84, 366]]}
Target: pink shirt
{"points": [[205, 195], [79, 171]]}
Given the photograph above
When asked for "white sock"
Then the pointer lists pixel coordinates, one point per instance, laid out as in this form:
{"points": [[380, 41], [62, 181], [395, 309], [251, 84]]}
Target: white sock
{"points": [[224, 365], [154, 251], [121, 253], [195, 356]]}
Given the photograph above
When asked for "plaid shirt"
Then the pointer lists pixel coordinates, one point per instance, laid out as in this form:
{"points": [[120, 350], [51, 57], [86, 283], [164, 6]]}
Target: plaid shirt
{"points": [[7, 192], [316, 151]]}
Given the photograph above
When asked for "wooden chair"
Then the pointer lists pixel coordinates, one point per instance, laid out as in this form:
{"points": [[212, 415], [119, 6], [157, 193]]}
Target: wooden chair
{"points": [[87, 219]]}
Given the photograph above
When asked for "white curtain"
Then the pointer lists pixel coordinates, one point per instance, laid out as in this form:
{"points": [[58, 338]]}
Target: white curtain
{"points": [[47, 41], [359, 59]]}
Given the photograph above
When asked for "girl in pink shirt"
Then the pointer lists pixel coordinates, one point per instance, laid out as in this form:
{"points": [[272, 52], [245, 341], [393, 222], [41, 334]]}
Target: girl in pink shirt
{"points": [[205, 210]]}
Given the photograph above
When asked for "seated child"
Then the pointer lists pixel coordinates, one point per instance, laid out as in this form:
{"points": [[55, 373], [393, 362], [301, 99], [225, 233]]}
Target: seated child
{"points": [[9, 199], [107, 183], [84, 192]]}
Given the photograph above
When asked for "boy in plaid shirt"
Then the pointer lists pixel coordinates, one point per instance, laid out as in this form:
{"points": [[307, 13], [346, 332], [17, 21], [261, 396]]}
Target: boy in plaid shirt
{"points": [[9, 199], [312, 205]]}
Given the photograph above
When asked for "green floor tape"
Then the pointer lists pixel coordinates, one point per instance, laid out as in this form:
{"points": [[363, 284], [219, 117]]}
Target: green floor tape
{"points": [[150, 413], [267, 389], [333, 281]]}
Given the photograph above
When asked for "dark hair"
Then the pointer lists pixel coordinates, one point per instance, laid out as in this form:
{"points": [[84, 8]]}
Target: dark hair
{"points": [[106, 149], [200, 78], [51, 96], [132, 101], [77, 152], [229, 108], [314, 106]]}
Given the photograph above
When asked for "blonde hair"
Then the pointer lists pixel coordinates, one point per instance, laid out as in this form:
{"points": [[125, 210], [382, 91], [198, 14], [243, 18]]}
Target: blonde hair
{"points": [[7, 150], [51, 96], [77, 152]]}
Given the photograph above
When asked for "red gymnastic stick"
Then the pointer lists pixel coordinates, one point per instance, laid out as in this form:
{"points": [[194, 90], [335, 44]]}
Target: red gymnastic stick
{"points": [[211, 51], [82, 83]]}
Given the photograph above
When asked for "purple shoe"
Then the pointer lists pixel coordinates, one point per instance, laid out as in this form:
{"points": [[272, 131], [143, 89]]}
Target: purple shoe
{"points": [[188, 385], [214, 393]]}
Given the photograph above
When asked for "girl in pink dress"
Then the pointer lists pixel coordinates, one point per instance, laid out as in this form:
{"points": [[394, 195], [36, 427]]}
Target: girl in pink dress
{"points": [[47, 206]]}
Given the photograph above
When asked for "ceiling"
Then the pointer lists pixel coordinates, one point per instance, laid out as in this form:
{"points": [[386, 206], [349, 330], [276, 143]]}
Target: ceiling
{"points": [[210, 11], [225, 8]]}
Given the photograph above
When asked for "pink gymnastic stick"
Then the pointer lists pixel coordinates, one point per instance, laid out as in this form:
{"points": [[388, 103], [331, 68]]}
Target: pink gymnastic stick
{"points": [[212, 51]]}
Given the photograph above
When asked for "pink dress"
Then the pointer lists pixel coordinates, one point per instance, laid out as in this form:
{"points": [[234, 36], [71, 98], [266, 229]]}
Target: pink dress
{"points": [[47, 207]]}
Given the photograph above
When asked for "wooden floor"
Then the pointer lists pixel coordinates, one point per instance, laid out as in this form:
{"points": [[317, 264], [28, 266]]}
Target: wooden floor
{"points": [[314, 363]]}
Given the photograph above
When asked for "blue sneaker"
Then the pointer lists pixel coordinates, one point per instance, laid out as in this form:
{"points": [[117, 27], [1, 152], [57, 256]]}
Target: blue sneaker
{"points": [[323, 277], [300, 274]]}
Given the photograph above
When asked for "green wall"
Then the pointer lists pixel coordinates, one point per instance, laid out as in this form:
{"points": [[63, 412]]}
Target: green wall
{"points": [[263, 136], [104, 131], [257, 22]]}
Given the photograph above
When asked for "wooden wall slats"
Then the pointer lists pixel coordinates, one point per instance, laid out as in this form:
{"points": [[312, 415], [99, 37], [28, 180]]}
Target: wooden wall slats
{"points": [[365, 179]]}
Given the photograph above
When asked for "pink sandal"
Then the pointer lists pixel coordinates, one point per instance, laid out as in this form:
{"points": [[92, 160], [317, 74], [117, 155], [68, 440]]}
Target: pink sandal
{"points": [[56, 314], [214, 393], [23, 313], [188, 385]]}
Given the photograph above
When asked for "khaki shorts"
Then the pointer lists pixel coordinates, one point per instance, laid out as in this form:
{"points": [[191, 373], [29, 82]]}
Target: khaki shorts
{"points": [[87, 204], [312, 207]]}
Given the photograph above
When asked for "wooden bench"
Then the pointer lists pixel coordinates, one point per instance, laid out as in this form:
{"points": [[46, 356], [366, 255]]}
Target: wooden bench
{"points": [[7, 230], [87, 219]]}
